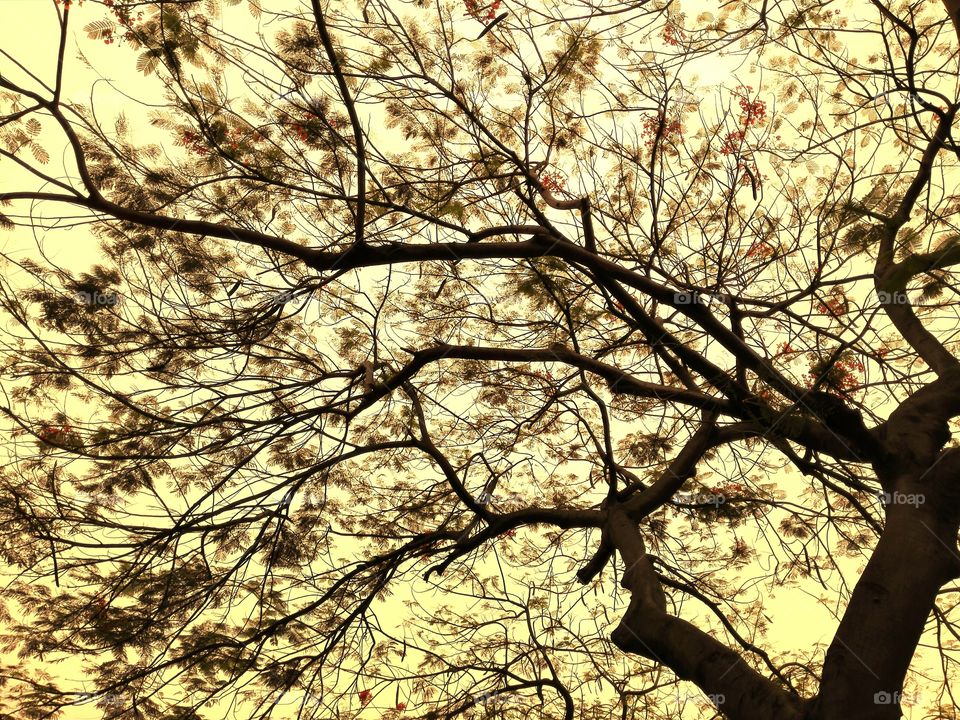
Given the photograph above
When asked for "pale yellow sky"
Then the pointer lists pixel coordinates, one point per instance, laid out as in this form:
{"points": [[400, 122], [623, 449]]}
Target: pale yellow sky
{"points": [[27, 31]]}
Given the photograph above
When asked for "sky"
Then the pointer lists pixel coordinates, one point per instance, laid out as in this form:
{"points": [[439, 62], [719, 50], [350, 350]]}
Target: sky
{"points": [[113, 85]]}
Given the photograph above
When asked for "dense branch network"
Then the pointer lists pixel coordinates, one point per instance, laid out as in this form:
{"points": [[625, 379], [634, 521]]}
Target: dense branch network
{"points": [[351, 361]]}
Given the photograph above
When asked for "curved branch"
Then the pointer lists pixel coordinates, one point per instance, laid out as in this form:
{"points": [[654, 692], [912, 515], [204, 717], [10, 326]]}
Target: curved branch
{"points": [[648, 630]]}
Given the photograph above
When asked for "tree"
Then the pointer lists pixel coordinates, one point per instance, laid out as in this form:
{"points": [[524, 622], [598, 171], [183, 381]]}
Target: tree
{"points": [[420, 329]]}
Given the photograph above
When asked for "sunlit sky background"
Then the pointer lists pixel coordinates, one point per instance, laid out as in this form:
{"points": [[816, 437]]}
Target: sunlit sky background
{"points": [[28, 31]]}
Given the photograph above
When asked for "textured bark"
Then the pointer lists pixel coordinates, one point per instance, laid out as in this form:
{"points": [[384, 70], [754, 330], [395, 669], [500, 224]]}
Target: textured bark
{"points": [[647, 629], [953, 11], [868, 660], [917, 554]]}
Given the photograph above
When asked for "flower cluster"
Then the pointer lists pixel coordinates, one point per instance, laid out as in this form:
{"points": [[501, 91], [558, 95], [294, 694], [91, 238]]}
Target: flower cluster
{"points": [[655, 126], [194, 142], [67, 4], [238, 136], [551, 183], [732, 143], [59, 435], [754, 111], [124, 18], [835, 305], [672, 35], [840, 376], [760, 249], [52, 432], [301, 132], [766, 394], [309, 127], [475, 11], [729, 489]]}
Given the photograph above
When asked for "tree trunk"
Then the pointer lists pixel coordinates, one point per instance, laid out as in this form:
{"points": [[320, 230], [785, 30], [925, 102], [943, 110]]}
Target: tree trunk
{"points": [[867, 662]]}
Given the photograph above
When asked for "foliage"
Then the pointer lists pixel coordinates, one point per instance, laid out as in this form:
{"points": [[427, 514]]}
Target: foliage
{"points": [[440, 356]]}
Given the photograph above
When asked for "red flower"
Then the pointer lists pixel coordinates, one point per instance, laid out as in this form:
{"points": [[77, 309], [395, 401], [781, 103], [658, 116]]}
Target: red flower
{"points": [[401, 706], [760, 249], [551, 183], [842, 375], [124, 18], [835, 306], [474, 9], [193, 142], [672, 35], [365, 696], [51, 431], [732, 142], [755, 112], [658, 125]]}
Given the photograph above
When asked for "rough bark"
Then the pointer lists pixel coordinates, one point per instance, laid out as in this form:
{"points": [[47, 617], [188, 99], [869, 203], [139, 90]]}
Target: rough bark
{"points": [[647, 629], [871, 652], [867, 662]]}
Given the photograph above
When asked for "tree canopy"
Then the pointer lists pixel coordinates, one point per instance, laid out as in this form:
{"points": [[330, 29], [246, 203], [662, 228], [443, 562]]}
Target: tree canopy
{"points": [[573, 359]]}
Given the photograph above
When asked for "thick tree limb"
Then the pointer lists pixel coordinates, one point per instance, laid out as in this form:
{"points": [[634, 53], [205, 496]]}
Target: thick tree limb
{"points": [[647, 629], [619, 381], [888, 610], [890, 278]]}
